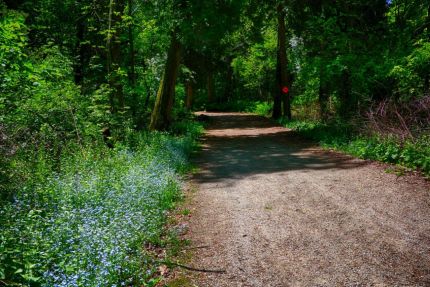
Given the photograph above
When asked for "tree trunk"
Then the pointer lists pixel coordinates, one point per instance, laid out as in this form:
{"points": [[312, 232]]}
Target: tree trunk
{"points": [[132, 67], [189, 93], [427, 75], [113, 45], [161, 115], [277, 98], [228, 93], [323, 99], [210, 87], [80, 53], [283, 62], [346, 102], [132, 55], [281, 100]]}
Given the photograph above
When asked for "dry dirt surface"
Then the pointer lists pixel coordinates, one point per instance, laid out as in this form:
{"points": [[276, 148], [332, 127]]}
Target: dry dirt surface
{"points": [[274, 210]]}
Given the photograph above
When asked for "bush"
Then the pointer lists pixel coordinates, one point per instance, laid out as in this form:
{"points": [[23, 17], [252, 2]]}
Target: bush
{"points": [[414, 154], [262, 109]]}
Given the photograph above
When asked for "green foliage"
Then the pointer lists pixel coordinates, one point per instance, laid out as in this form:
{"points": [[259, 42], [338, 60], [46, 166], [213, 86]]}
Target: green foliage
{"points": [[86, 225], [40, 106], [248, 106], [258, 66], [241, 105], [411, 71], [262, 109], [414, 154]]}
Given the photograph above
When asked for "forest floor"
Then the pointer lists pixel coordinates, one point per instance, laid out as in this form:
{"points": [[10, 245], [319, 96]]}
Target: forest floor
{"points": [[272, 209]]}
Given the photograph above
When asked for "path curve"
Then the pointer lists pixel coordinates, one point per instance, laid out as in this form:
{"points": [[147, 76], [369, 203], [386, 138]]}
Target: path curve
{"points": [[274, 210]]}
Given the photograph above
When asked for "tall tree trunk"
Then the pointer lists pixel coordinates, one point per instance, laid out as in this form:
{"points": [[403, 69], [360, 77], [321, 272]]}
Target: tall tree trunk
{"points": [[229, 82], [427, 75], [132, 55], [210, 87], [189, 93], [323, 100], [79, 64], [281, 101], [346, 102], [161, 115], [283, 62], [132, 66], [80, 51], [277, 97], [113, 45]]}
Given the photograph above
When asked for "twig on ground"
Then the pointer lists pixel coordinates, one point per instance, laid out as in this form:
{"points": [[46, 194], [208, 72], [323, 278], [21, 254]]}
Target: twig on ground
{"points": [[170, 264]]}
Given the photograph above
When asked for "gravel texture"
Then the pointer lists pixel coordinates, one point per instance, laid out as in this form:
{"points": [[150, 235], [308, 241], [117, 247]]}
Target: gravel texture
{"points": [[275, 210]]}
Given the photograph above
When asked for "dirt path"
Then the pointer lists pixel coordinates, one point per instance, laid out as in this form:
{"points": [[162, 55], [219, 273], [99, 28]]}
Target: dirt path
{"points": [[275, 211]]}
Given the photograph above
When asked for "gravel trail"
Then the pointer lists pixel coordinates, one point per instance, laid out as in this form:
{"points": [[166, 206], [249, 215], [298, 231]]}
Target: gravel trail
{"points": [[275, 210]]}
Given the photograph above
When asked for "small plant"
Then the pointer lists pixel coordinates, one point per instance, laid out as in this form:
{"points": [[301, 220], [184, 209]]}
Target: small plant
{"points": [[186, 212]]}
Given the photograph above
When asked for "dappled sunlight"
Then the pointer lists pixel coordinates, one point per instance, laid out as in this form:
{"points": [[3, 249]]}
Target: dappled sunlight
{"points": [[290, 209], [239, 145], [251, 132]]}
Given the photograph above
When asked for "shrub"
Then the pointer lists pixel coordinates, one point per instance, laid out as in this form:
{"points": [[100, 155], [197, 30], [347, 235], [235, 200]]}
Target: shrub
{"points": [[410, 153], [262, 109]]}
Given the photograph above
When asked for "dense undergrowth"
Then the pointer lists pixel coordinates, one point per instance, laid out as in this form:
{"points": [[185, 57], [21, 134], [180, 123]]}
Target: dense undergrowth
{"points": [[381, 144], [410, 153], [86, 224]]}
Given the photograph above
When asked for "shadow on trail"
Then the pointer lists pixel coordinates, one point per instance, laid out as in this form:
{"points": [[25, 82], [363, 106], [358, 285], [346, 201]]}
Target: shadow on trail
{"points": [[238, 146]]}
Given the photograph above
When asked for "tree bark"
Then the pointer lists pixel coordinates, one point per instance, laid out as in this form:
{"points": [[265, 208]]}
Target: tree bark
{"points": [[131, 71], [80, 52], [80, 49], [283, 62], [323, 99], [161, 115], [228, 93], [113, 45], [132, 55], [427, 75], [210, 87], [346, 101], [277, 98], [281, 98], [190, 94]]}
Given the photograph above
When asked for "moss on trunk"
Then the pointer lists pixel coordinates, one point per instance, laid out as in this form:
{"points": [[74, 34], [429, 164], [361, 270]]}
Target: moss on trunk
{"points": [[162, 114]]}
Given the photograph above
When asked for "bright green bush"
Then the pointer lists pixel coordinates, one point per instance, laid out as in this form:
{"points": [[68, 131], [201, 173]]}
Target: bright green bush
{"points": [[262, 108]]}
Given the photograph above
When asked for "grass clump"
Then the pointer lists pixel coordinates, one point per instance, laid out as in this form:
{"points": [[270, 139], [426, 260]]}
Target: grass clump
{"points": [[86, 225], [261, 108]]}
